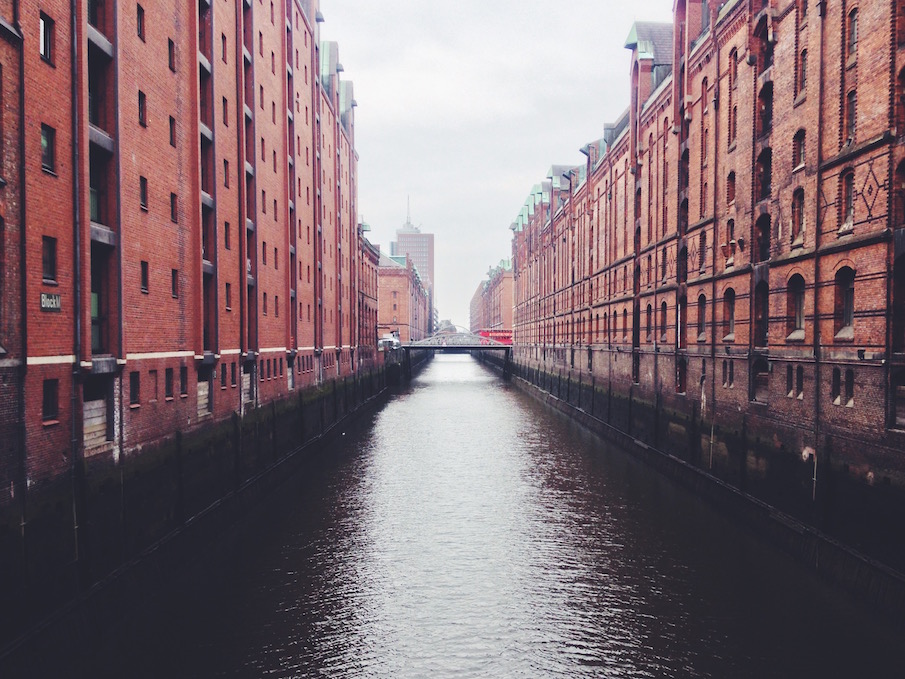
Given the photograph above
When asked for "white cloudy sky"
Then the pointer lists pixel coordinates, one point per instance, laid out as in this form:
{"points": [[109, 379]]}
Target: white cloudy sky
{"points": [[463, 105]]}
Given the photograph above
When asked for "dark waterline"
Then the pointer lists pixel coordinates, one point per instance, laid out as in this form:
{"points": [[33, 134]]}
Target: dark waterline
{"points": [[469, 532]]}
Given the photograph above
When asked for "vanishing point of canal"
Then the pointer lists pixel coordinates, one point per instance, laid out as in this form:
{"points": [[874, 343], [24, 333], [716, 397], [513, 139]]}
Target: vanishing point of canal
{"points": [[467, 531]]}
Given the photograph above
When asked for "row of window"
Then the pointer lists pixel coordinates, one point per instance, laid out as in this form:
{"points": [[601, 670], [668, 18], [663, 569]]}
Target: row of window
{"points": [[135, 385]]}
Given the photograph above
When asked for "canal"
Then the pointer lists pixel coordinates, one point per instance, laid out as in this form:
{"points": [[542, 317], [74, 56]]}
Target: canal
{"points": [[467, 531]]}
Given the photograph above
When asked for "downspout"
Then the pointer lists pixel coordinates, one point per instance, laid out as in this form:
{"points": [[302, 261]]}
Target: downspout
{"points": [[23, 364], [242, 226], [821, 10], [716, 176], [75, 453]]}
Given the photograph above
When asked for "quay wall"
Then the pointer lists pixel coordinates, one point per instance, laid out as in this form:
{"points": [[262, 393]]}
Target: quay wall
{"points": [[148, 514], [838, 529]]}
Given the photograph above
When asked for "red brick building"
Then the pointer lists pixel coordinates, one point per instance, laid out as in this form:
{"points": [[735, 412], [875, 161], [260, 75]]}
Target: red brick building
{"points": [[189, 177], [492, 303], [403, 303], [730, 255]]}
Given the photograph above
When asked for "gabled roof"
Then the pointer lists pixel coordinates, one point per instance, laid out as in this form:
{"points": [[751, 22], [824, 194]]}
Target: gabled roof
{"points": [[652, 40]]}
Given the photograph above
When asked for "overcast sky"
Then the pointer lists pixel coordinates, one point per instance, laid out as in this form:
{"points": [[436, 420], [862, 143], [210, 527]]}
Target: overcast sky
{"points": [[463, 106]]}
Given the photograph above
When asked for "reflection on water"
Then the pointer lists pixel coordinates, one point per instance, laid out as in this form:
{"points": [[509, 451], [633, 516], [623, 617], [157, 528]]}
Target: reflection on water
{"points": [[471, 533]]}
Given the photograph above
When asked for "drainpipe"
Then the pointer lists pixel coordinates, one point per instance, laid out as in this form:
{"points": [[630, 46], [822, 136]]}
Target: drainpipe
{"points": [[716, 175], [22, 370], [821, 10], [75, 453]]}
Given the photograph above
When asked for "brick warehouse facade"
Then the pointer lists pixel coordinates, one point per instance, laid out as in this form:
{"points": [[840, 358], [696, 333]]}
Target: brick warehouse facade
{"points": [[188, 177], [490, 311], [726, 270]]}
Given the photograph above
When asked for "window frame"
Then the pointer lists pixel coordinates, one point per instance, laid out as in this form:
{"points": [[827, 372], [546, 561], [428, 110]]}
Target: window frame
{"points": [[46, 38], [48, 148]]}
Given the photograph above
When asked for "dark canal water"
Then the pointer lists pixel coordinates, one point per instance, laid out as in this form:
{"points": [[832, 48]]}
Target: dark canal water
{"points": [[468, 532]]}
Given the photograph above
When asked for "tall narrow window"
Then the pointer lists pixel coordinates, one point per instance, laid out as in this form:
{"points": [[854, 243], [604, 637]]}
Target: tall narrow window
{"points": [[797, 217], [174, 283], [795, 309], [848, 200], [729, 315], [50, 410], [702, 318], [798, 149], [174, 208], [730, 188], [844, 304], [802, 71], [223, 47], [46, 38], [134, 388], [48, 148], [853, 32], [49, 259], [172, 131], [850, 115], [171, 54], [140, 21], [144, 276], [142, 109], [225, 112], [143, 193]]}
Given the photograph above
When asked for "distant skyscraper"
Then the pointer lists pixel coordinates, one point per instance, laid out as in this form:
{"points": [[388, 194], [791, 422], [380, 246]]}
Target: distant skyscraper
{"points": [[419, 246]]}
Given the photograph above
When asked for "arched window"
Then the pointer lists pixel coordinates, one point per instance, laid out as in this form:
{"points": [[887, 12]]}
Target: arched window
{"points": [[624, 324], [702, 318], [802, 71], [848, 200], [762, 234], [730, 188], [729, 315], [763, 172], [795, 308], [761, 314], [852, 32], [850, 116], [844, 304], [663, 322], [798, 149], [765, 110], [606, 328], [797, 231]]}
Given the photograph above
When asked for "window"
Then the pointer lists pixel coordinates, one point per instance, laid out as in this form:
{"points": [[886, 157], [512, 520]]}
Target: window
{"points": [[226, 173], [174, 283], [222, 376], [850, 114], [226, 236], [171, 55], [848, 201], [763, 172], [761, 314], [276, 306], [264, 253], [797, 231], [802, 71], [229, 297], [232, 374], [223, 47], [143, 193], [836, 387], [663, 322], [134, 388], [702, 318], [174, 208], [730, 188], [760, 381], [729, 315], [46, 38], [225, 112], [762, 233], [265, 303], [183, 381], [844, 304], [142, 109], [798, 149], [50, 411], [795, 308], [49, 259], [140, 21], [799, 382], [144, 276], [849, 388], [48, 148], [853, 32]]}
